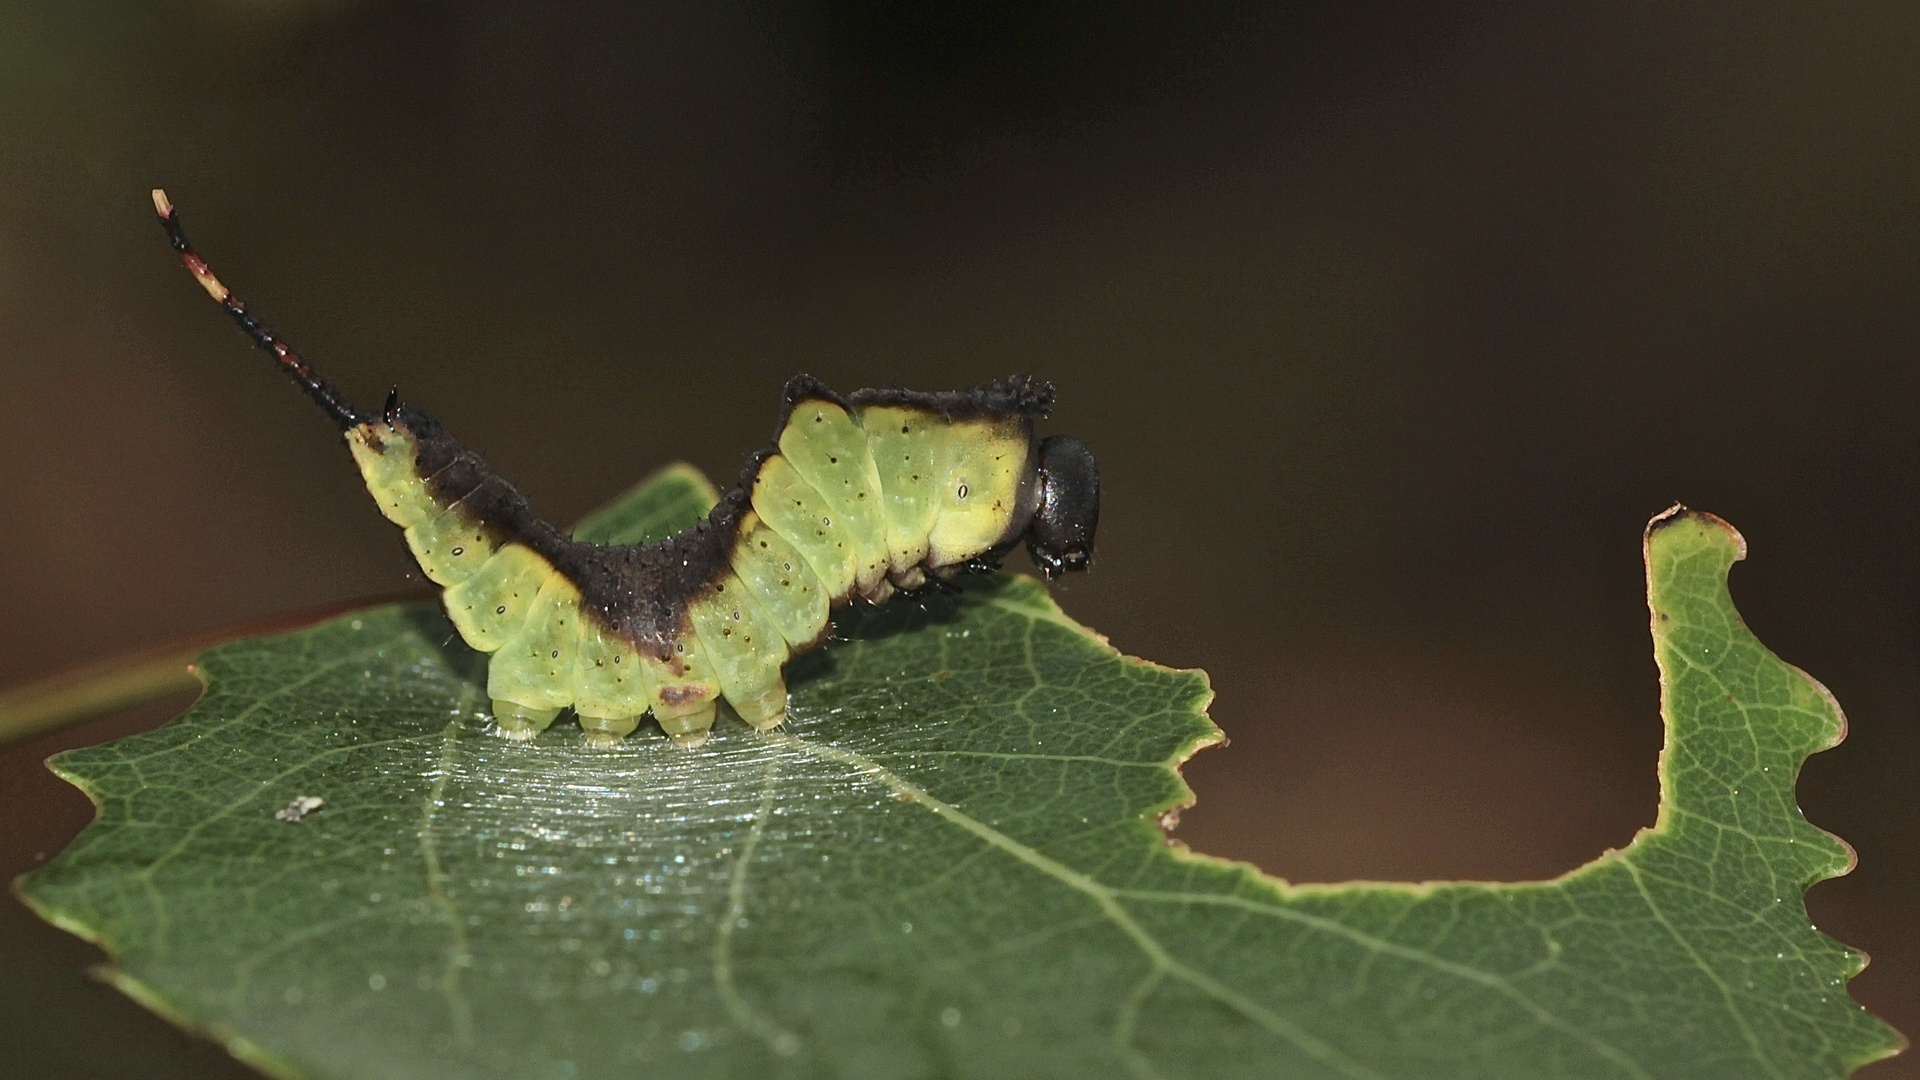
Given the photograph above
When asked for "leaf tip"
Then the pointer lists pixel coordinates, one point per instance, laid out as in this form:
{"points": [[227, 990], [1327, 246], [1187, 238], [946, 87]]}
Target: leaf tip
{"points": [[1702, 522]]}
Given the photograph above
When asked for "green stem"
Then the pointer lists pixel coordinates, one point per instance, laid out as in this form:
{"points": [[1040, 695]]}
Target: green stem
{"points": [[112, 686], [49, 705]]}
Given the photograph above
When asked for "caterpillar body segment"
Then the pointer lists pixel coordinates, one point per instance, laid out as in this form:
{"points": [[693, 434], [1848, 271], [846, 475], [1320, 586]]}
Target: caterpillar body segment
{"points": [[861, 495], [745, 650], [489, 608], [782, 584], [452, 546], [534, 667], [610, 686], [907, 453], [991, 480], [829, 452], [388, 469], [800, 514]]}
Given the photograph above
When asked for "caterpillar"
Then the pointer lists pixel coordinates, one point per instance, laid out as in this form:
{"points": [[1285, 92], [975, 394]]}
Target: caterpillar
{"points": [[861, 496]]}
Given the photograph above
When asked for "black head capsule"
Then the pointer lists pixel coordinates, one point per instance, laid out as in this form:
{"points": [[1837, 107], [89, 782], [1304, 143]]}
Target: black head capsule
{"points": [[1061, 535]]}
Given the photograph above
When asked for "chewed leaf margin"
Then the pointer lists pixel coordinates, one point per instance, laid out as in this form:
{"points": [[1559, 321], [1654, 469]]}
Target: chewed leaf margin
{"points": [[1716, 819]]}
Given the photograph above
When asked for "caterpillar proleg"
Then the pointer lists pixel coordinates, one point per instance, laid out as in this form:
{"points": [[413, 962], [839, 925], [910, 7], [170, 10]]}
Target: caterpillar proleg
{"points": [[861, 495]]}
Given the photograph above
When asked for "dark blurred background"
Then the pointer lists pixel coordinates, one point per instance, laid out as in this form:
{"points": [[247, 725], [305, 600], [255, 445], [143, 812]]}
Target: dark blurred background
{"points": [[1391, 324]]}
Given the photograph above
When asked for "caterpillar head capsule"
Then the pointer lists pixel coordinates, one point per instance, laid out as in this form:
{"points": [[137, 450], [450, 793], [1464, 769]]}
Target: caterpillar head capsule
{"points": [[1061, 535]]}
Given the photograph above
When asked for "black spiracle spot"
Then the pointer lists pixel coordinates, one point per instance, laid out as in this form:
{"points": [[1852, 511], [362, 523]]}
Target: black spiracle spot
{"points": [[501, 610], [556, 654], [459, 551]]}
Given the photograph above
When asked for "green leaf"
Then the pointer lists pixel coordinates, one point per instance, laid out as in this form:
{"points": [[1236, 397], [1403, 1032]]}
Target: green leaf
{"points": [[653, 509], [948, 864]]}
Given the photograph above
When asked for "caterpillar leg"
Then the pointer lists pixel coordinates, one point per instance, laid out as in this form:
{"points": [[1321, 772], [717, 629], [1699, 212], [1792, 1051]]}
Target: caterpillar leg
{"points": [[520, 723], [690, 729], [766, 712], [607, 730]]}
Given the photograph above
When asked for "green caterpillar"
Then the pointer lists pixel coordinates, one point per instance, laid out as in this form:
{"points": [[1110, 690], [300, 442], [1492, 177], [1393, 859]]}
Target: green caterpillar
{"points": [[862, 495]]}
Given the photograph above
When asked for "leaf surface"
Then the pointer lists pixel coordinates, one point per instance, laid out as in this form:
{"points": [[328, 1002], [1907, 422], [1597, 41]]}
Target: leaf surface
{"points": [[949, 864], [653, 509]]}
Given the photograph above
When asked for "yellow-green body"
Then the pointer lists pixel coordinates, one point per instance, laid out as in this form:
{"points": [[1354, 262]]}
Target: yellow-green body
{"points": [[856, 502]]}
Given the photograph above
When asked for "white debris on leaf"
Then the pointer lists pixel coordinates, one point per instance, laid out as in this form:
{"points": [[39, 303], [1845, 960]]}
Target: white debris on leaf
{"points": [[300, 807]]}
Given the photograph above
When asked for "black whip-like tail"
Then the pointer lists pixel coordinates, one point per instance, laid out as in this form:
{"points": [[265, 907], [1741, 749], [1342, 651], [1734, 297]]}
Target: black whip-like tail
{"points": [[323, 393]]}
